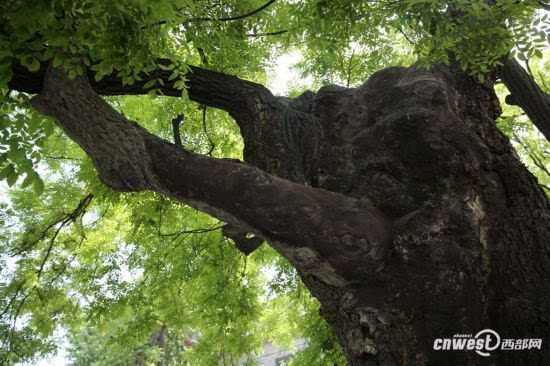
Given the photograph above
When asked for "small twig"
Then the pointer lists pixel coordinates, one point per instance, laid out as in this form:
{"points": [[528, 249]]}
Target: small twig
{"points": [[62, 270], [532, 154], [60, 158], [176, 129], [18, 310], [196, 231], [64, 220], [222, 19], [80, 210], [267, 33], [539, 164], [48, 252], [10, 303], [238, 17], [212, 144], [406, 36], [204, 60]]}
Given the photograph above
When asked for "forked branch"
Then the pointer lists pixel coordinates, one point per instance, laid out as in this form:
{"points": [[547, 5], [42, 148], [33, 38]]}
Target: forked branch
{"points": [[128, 158]]}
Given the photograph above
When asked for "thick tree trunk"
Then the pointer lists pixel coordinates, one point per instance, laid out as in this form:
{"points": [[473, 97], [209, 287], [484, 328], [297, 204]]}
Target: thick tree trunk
{"points": [[403, 208]]}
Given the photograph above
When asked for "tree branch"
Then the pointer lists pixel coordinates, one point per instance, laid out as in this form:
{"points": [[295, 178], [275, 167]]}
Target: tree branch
{"points": [[527, 94], [262, 117], [128, 158], [207, 87], [176, 122], [210, 142], [222, 19], [249, 14], [276, 33], [67, 218]]}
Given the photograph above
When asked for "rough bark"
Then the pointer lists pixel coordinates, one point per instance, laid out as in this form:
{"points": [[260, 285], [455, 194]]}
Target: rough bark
{"points": [[128, 158], [403, 208]]}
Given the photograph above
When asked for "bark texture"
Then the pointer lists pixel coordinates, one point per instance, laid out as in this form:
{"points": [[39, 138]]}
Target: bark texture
{"points": [[527, 94], [403, 208]]}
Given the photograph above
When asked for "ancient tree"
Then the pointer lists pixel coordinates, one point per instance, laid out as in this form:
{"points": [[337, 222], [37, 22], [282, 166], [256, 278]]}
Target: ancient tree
{"points": [[400, 204], [403, 208]]}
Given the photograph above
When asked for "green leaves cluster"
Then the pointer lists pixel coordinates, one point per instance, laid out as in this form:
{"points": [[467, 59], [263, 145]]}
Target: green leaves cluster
{"points": [[116, 270], [22, 134], [477, 33], [122, 37]]}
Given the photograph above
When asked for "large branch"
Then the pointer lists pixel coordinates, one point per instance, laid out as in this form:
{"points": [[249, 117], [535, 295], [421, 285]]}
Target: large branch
{"points": [[527, 94], [207, 87], [281, 136], [128, 158]]}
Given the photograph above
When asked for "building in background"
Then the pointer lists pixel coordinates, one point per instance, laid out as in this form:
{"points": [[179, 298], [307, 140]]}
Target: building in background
{"points": [[274, 356]]}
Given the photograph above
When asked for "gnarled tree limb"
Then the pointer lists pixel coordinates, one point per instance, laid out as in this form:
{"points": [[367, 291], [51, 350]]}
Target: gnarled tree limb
{"points": [[128, 158], [281, 148], [527, 94]]}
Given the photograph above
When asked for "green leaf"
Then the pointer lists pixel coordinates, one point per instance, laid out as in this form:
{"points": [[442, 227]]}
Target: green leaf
{"points": [[11, 178], [480, 78], [149, 68], [38, 185], [28, 180], [57, 60], [34, 65], [16, 154], [6, 171], [149, 84], [166, 68], [173, 75]]}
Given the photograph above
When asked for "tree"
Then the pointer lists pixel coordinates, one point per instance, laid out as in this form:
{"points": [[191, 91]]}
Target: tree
{"points": [[403, 208]]}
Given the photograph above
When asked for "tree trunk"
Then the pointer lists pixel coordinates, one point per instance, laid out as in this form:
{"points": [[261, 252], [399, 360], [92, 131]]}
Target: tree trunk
{"points": [[403, 208]]}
